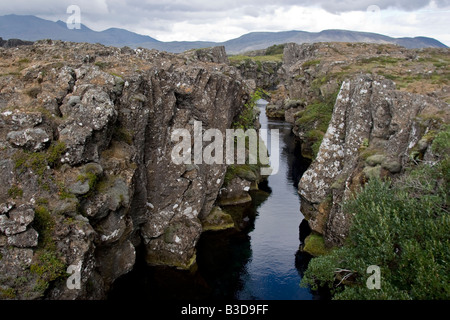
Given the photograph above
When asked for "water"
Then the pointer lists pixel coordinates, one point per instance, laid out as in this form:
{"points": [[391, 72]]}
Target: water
{"points": [[261, 262], [271, 273]]}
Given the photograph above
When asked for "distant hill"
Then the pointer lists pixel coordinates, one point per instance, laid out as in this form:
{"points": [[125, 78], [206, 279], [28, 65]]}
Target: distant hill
{"points": [[33, 28]]}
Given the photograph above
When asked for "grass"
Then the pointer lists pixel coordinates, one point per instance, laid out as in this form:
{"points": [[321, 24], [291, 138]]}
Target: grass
{"points": [[15, 192], [38, 161], [310, 63], [242, 58]]}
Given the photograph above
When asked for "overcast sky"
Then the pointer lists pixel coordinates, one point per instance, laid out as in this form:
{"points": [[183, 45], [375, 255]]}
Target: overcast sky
{"points": [[220, 20]]}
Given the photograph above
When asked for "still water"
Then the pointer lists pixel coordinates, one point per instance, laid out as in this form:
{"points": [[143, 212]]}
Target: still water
{"points": [[261, 262]]}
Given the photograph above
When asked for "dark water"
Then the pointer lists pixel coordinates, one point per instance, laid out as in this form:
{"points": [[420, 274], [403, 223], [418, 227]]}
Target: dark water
{"points": [[260, 262], [271, 272]]}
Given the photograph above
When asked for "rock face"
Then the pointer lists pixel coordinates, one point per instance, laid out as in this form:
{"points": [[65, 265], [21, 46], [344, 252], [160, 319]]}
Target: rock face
{"points": [[374, 131], [262, 74], [12, 43], [85, 143]]}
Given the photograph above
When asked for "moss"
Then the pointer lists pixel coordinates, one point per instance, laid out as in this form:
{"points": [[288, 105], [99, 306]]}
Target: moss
{"points": [[315, 245], [248, 172], [217, 220], [122, 134], [101, 64], [92, 179], [310, 63], [48, 267], [239, 59], [8, 293], [33, 92], [15, 192], [55, 152], [375, 159], [38, 161], [44, 224]]}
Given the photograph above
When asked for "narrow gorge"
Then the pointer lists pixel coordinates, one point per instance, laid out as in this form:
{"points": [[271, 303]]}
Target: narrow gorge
{"points": [[86, 155]]}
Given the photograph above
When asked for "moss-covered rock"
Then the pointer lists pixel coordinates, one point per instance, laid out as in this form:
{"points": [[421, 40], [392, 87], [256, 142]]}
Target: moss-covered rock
{"points": [[217, 220], [372, 172], [393, 166], [315, 245], [375, 159]]}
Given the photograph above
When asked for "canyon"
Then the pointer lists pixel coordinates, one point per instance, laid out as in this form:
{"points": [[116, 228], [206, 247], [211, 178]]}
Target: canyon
{"points": [[85, 145]]}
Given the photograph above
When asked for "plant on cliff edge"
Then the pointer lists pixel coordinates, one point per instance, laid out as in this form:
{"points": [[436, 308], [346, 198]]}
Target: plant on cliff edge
{"points": [[247, 117]]}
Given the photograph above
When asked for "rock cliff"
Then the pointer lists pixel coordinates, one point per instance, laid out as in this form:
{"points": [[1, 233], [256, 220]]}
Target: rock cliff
{"points": [[85, 145], [312, 74], [375, 131]]}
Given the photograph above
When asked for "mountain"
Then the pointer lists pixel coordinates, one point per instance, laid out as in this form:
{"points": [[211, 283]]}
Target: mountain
{"points": [[33, 28]]}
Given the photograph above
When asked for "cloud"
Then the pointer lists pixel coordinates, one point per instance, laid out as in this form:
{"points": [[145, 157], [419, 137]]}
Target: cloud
{"points": [[222, 20]]}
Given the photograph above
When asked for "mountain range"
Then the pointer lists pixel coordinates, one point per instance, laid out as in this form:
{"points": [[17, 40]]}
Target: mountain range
{"points": [[32, 28]]}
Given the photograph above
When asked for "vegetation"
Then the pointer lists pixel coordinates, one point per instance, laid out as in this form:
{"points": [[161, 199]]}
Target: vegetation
{"points": [[38, 161], [275, 50], [310, 63], [248, 172], [237, 59], [15, 192], [401, 226], [314, 120], [44, 223], [246, 119], [49, 267]]}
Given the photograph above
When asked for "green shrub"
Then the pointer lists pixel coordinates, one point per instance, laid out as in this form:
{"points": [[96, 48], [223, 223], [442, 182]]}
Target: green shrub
{"points": [[404, 228], [247, 117], [275, 49], [310, 63]]}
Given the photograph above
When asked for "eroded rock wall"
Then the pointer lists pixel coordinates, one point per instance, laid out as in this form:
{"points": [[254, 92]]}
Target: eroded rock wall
{"points": [[375, 131], [85, 145]]}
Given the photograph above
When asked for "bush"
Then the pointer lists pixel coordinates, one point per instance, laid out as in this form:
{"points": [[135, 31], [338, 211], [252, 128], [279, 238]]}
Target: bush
{"points": [[247, 117], [402, 227]]}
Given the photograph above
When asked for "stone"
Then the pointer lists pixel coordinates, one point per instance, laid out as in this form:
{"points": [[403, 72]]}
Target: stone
{"points": [[372, 172], [74, 100], [26, 239], [367, 110], [393, 166], [34, 139], [67, 207], [17, 222], [116, 124], [79, 188], [6, 207], [217, 220], [375, 160]]}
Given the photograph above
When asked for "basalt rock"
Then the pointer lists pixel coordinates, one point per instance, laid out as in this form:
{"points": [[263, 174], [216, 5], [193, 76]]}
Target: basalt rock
{"points": [[370, 117], [87, 171]]}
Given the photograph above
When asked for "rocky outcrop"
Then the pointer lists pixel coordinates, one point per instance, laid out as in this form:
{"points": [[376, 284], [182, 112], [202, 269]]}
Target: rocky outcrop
{"points": [[85, 143], [375, 131], [261, 74], [12, 43]]}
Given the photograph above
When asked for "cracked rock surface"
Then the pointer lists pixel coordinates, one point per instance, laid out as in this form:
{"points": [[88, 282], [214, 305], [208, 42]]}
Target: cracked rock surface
{"points": [[86, 169]]}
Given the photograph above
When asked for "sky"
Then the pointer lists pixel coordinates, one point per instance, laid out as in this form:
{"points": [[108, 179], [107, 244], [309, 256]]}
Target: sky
{"points": [[220, 20]]}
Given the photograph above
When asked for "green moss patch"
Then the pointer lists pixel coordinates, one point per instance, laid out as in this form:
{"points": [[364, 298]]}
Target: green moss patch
{"points": [[315, 245]]}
